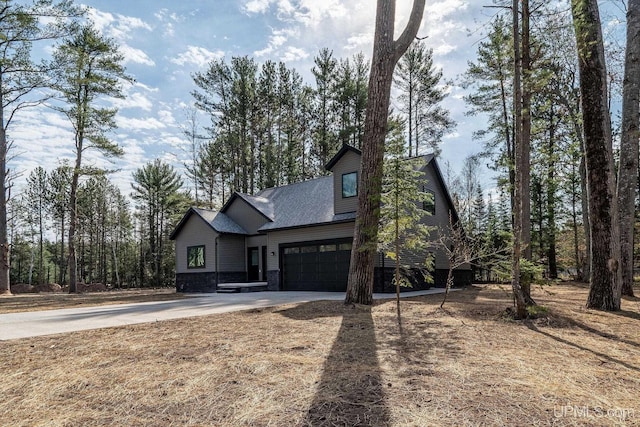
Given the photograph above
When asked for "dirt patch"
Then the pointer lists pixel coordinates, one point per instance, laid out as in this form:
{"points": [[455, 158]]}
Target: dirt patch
{"points": [[55, 300], [321, 363]]}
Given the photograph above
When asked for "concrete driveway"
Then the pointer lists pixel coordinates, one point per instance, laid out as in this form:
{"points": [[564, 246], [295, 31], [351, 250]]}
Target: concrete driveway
{"points": [[36, 323]]}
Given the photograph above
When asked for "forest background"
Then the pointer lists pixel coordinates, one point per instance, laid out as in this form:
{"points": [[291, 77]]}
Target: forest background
{"points": [[256, 124]]}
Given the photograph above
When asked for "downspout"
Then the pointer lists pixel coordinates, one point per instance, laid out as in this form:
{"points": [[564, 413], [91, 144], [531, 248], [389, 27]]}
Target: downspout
{"points": [[216, 249]]}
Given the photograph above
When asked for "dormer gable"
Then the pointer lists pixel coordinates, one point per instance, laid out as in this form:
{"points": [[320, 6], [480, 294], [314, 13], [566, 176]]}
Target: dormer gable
{"points": [[345, 168]]}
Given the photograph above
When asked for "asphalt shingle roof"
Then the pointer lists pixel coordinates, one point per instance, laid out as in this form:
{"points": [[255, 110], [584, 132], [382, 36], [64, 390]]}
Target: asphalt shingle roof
{"points": [[220, 222], [298, 205]]}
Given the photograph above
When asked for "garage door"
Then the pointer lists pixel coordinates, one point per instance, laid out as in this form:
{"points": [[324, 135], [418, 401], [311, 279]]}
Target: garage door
{"points": [[316, 266]]}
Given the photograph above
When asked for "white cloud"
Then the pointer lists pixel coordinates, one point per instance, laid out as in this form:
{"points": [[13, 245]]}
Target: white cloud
{"points": [[120, 28], [136, 124], [276, 40], [169, 20], [440, 10], [294, 54], [196, 55], [358, 41], [257, 6], [166, 117], [135, 55], [133, 100], [117, 26]]}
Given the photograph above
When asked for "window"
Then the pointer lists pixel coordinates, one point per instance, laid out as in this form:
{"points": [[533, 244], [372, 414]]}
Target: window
{"points": [[344, 246], [429, 205], [350, 184], [195, 256]]}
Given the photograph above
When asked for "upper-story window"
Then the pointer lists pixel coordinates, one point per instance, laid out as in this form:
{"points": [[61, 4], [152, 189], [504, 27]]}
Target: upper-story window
{"points": [[350, 184], [429, 205]]}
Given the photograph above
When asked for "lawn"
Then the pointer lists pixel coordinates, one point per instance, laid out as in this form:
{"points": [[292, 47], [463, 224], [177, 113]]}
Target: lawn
{"points": [[322, 363]]}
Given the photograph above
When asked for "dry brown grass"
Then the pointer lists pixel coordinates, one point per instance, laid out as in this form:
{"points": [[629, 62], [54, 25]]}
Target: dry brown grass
{"points": [[322, 363], [51, 301]]}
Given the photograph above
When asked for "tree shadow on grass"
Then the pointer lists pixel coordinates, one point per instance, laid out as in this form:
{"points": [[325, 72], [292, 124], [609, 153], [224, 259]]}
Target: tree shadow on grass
{"points": [[350, 392]]}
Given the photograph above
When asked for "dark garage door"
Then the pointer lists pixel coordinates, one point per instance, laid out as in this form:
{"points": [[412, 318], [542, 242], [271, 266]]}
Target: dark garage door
{"points": [[316, 266]]}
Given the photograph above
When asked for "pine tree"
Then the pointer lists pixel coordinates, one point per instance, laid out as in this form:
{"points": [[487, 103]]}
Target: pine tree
{"points": [[36, 203], [20, 82], [605, 289], [88, 67], [421, 93], [156, 190], [402, 228]]}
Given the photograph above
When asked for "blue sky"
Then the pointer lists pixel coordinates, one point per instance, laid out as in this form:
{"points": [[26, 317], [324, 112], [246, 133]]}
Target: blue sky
{"points": [[164, 42]]}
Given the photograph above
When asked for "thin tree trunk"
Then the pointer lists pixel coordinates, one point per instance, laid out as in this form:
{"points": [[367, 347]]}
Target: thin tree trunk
{"points": [[73, 215], [628, 169], [525, 164], [5, 255], [386, 53], [605, 290], [551, 198], [73, 220]]}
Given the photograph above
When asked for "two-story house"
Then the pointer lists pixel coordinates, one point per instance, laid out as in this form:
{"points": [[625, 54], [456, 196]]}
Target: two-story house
{"points": [[296, 237]]}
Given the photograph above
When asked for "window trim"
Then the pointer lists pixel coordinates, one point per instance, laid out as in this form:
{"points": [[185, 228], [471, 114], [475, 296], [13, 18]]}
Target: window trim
{"points": [[204, 256], [342, 185]]}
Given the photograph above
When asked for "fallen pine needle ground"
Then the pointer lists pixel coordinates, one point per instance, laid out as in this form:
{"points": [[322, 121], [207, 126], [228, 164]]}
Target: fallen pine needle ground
{"points": [[326, 364]]}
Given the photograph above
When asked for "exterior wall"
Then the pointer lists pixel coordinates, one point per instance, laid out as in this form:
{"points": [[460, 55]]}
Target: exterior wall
{"points": [[206, 282], [232, 254], [441, 217], [246, 216], [349, 162], [194, 233], [257, 241]]}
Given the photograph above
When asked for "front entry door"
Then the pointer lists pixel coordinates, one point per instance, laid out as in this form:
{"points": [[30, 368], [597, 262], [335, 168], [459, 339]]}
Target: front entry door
{"points": [[253, 268]]}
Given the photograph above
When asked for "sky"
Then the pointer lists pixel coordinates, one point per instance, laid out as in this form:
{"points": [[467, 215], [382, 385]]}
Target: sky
{"points": [[164, 42]]}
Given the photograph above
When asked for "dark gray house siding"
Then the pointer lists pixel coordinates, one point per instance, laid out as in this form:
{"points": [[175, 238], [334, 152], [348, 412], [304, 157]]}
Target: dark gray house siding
{"points": [[348, 163], [245, 215], [224, 255]]}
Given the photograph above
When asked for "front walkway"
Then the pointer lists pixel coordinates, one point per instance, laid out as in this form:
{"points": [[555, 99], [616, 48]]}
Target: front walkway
{"points": [[36, 323]]}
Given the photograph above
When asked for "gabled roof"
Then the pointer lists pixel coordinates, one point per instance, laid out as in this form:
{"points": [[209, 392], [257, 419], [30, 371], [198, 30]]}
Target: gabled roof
{"points": [[261, 205], [345, 149], [303, 204], [218, 221]]}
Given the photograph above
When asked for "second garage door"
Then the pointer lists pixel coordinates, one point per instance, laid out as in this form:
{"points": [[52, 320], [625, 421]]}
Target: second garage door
{"points": [[316, 266]]}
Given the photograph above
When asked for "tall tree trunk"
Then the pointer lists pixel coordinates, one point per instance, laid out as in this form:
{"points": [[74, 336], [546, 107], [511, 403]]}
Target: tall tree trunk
{"points": [[519, 291], [386, 53], [605, 281], [628, 169]]}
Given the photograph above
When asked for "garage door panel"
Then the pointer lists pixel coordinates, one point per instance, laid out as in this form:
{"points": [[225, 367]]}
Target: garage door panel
{"points": [[316, 266]]}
